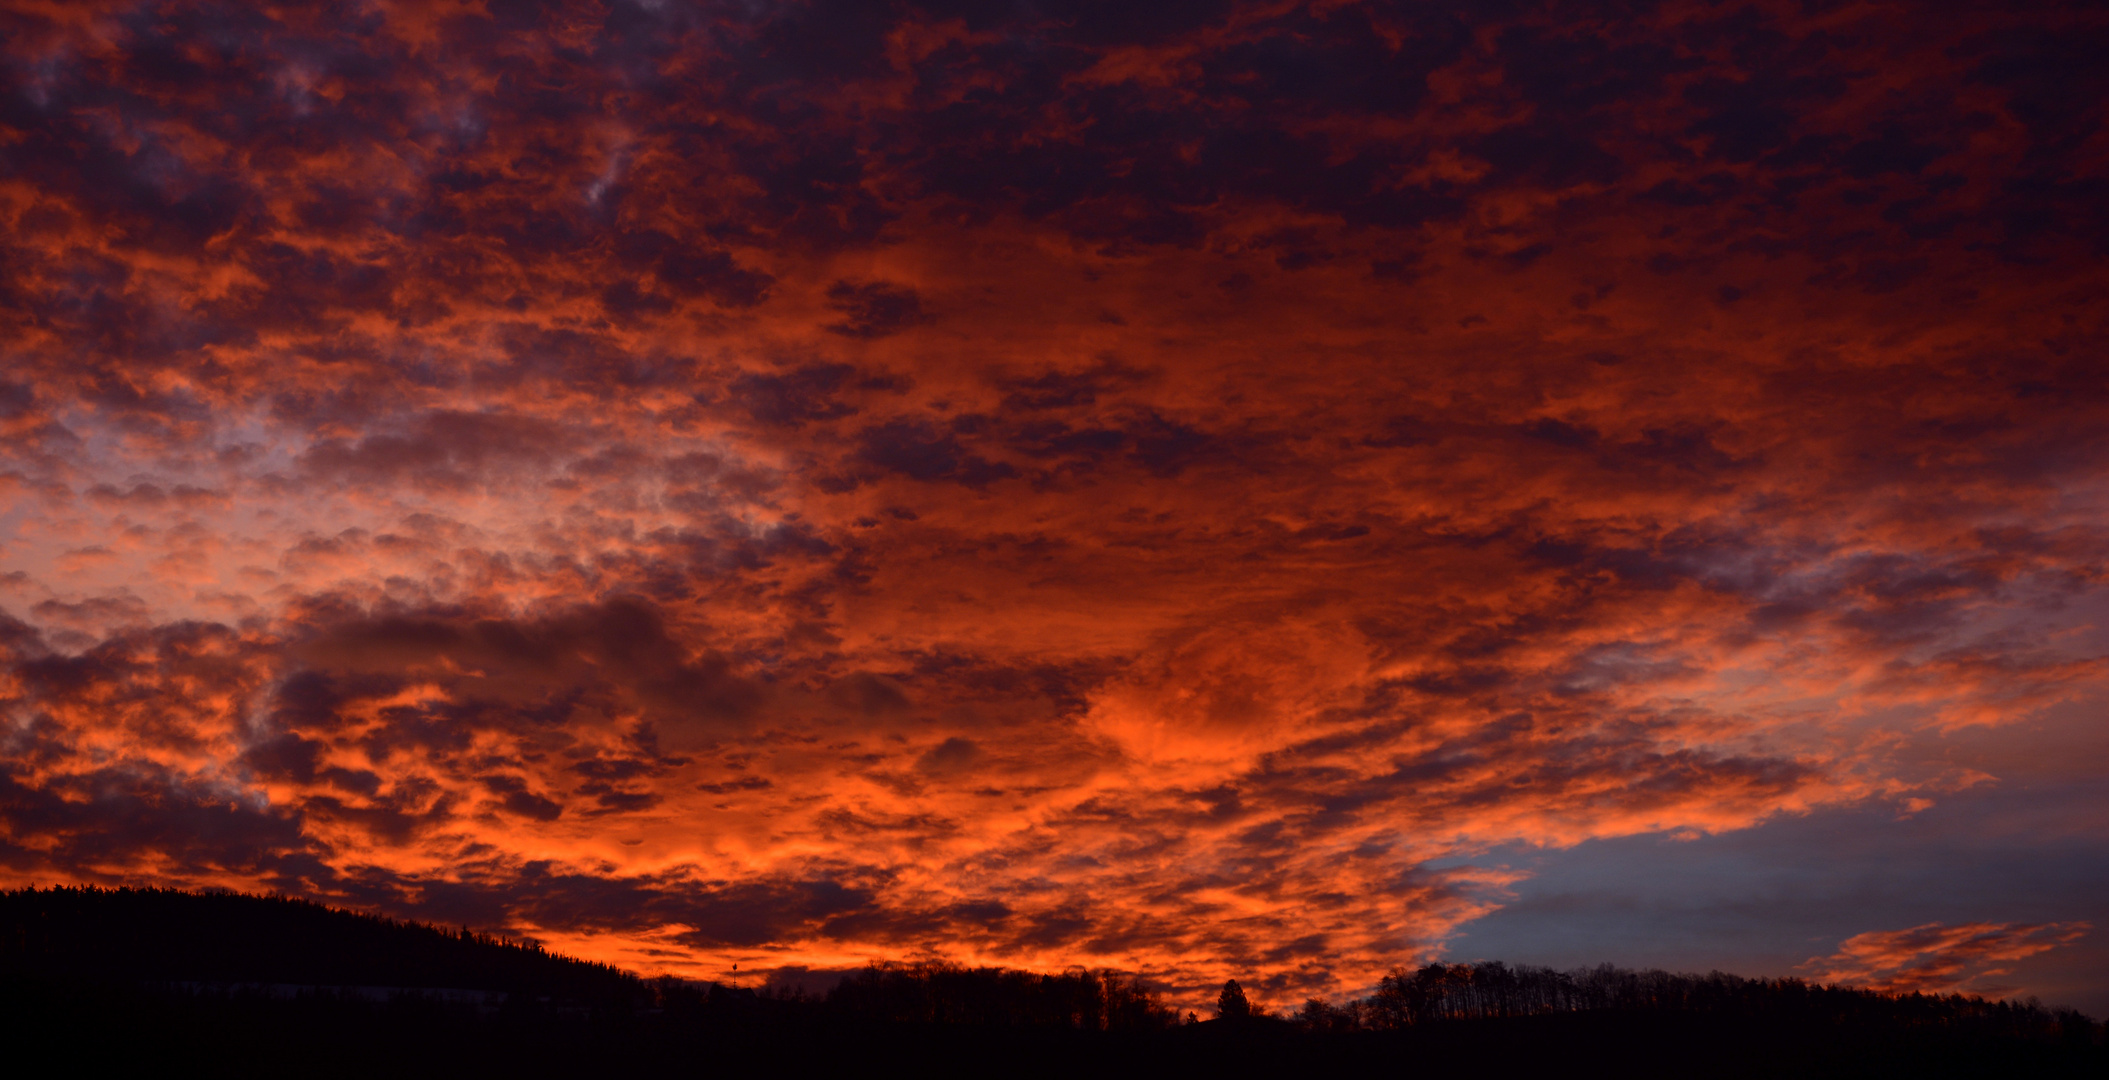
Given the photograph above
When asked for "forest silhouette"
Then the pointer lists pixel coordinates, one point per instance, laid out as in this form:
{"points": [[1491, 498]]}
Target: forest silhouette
{"points": [[236, 984]]}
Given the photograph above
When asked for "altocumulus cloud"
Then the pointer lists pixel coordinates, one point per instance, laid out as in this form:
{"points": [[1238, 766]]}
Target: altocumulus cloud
{"points": [[1170, 487]]}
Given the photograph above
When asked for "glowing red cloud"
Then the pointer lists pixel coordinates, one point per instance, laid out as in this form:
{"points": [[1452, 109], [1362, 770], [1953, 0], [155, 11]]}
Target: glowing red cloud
{"points": [[1940, 959], [791, 488]]}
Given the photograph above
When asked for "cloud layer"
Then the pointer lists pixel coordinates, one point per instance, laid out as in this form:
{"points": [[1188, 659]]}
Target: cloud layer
{"points": [[1940, 959], [1163, 486]]}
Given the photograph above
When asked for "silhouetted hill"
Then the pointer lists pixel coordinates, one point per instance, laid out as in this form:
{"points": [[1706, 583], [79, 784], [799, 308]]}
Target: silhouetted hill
{"points": [[165, 935], [160, 981]]}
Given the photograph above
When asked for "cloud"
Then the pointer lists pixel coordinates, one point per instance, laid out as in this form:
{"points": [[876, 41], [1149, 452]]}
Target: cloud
{"points": [[1179, 486], [874, 309], [1936, 958], [443, 448]]}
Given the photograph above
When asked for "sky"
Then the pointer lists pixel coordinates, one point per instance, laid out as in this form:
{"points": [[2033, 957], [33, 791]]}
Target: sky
{"points": [[1263, 490]]}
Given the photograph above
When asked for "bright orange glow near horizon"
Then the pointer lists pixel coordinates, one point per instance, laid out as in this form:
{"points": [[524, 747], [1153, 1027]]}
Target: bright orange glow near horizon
{"points": [[1207, 489]]}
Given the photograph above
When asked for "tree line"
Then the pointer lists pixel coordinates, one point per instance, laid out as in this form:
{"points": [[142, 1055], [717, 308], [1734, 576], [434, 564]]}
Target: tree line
{"points": [[936, 992], [172, 935], [1445, 993], [79, 963]]}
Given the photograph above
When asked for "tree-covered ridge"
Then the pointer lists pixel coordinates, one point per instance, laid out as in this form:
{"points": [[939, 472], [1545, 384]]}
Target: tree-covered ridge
{"points": [[224, 937], [943, 993], [134, 979], [174, 973], [169, 935], [1441, 993]]}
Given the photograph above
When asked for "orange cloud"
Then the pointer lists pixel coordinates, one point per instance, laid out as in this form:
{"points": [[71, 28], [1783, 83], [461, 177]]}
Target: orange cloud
{"points": [[1935, 958], [1172, 488]]}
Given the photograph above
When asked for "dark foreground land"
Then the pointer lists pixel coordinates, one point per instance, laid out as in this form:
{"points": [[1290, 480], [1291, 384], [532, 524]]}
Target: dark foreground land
{"points": [[166, 982]]}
